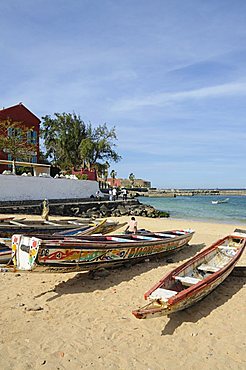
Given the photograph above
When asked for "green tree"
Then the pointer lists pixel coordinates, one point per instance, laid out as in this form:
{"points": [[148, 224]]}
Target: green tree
{"points": [[15, 140], [99, 146], [62, 136], [71, 143], [132, 179]]}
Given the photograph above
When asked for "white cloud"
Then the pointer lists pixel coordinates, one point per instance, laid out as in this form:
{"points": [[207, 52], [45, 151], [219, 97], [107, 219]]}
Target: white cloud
{"points": [[160, 99]]}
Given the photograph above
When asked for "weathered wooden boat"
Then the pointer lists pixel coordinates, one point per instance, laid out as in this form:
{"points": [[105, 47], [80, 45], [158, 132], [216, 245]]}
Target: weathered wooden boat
{"points": [[103, 227], [5, 250], [194, 279], [92, 251], [10, 226]]}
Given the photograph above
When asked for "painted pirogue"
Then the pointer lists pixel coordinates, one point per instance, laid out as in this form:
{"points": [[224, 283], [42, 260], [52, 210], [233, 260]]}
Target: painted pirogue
{"points": [[91, 252], [11, 225], [42, 230], [194, 279]]}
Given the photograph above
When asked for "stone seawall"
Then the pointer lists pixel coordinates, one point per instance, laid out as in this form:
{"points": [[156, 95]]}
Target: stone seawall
{"points": [[190, 193], [86, 208]]}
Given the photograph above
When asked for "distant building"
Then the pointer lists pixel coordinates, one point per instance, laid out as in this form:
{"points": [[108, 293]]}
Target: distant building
{"points": [[114, 182], [21, 114], [126, 183], [90, 174]]}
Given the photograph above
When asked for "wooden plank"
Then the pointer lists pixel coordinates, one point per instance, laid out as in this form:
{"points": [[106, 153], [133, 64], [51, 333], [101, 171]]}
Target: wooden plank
{"points": [[12, 222], [187, 280], [166, 235], [51, 223], [208, 268], [143, 237], [120, 240], [163, 294]]}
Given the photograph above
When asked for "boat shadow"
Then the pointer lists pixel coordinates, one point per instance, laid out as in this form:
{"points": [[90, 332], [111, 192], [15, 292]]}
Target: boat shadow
{"points": [[203, 308], [103, 279]]}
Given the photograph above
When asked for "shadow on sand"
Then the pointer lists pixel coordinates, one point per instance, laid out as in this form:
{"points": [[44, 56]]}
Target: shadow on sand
{"points": [[101, 280], [203, 308]]}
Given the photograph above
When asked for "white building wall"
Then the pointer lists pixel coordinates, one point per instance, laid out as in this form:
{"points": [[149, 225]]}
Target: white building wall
{"points": [[37, 188]]}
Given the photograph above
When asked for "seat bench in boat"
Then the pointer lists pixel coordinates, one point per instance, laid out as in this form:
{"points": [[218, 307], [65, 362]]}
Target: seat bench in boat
{"points": [[120, 240], [163, 294], [208, 268], [187, 280], [143, 237], [166, 235]]}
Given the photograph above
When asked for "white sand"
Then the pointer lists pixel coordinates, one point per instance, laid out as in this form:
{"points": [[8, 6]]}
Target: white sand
{"points": [[86, 323]]}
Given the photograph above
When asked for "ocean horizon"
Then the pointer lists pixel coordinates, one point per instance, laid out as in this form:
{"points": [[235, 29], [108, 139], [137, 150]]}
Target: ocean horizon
{"points": [[200, 208]]}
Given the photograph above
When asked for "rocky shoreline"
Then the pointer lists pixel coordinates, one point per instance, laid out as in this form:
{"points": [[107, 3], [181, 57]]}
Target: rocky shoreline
{"points": [[85, 208]]}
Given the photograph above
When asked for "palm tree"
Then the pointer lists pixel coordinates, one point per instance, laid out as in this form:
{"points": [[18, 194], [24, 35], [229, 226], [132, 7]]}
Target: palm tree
{"points": [[132, 179]]}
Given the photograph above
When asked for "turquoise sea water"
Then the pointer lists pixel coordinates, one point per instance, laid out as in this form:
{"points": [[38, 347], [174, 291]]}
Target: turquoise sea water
{"points": [[201, 208]]}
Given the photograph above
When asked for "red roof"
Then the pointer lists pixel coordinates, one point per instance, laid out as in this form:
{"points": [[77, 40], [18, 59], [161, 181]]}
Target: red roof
{"points": [[19, 112]]}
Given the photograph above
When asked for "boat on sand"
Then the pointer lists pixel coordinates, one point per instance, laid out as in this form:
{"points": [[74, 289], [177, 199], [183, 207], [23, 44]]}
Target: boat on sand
{"points": [[196, 278], [36, 229], [10, 226], [89, 252]]}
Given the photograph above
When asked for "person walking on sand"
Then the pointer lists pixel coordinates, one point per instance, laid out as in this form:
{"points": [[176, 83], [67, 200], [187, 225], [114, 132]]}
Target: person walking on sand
{"points": [[132, 227]]}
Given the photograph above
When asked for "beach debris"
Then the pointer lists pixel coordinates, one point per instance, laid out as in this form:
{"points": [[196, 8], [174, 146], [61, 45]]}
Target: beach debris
{"points": [[34, 308]]}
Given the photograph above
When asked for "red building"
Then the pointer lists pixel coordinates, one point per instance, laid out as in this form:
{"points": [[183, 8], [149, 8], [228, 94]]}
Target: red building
{"points": [[91, 174], [21, 114]]}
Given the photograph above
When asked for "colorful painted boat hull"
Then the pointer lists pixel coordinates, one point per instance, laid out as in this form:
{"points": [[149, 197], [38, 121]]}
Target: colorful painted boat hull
{"points": [[92, 252], [102, 227]]}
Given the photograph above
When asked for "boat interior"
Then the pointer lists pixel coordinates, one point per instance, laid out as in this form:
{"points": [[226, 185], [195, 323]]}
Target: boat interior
{"points": [[198, 270], [125, 238], [22, 222]]}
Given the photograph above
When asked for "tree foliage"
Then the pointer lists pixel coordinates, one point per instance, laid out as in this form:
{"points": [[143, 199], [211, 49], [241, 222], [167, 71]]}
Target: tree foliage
{"points": [[62, 137], [72, 143], [132, 178], [99, 146], [15, 140]]}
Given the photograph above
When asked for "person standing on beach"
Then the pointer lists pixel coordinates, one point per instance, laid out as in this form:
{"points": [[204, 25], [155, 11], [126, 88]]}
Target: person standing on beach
{"points": [[124, 193], [132, 227], [110, 195], [114, 193]]}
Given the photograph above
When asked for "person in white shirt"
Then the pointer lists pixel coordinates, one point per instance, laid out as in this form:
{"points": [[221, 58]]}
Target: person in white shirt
{"points": [[114, 192], [124, 193]]}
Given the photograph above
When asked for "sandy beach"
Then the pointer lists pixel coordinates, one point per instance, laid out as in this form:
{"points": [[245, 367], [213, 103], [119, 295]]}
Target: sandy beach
{"points": [[72, 321]]}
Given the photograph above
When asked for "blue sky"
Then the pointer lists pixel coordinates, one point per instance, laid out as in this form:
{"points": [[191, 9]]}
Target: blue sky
{"points": [[170, 75]]}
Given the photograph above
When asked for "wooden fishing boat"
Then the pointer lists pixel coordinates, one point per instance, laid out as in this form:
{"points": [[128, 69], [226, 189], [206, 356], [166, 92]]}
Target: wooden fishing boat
{"points": [[90, 252], [5, 250], [194, 279], [103, 227], [10, 226]]}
